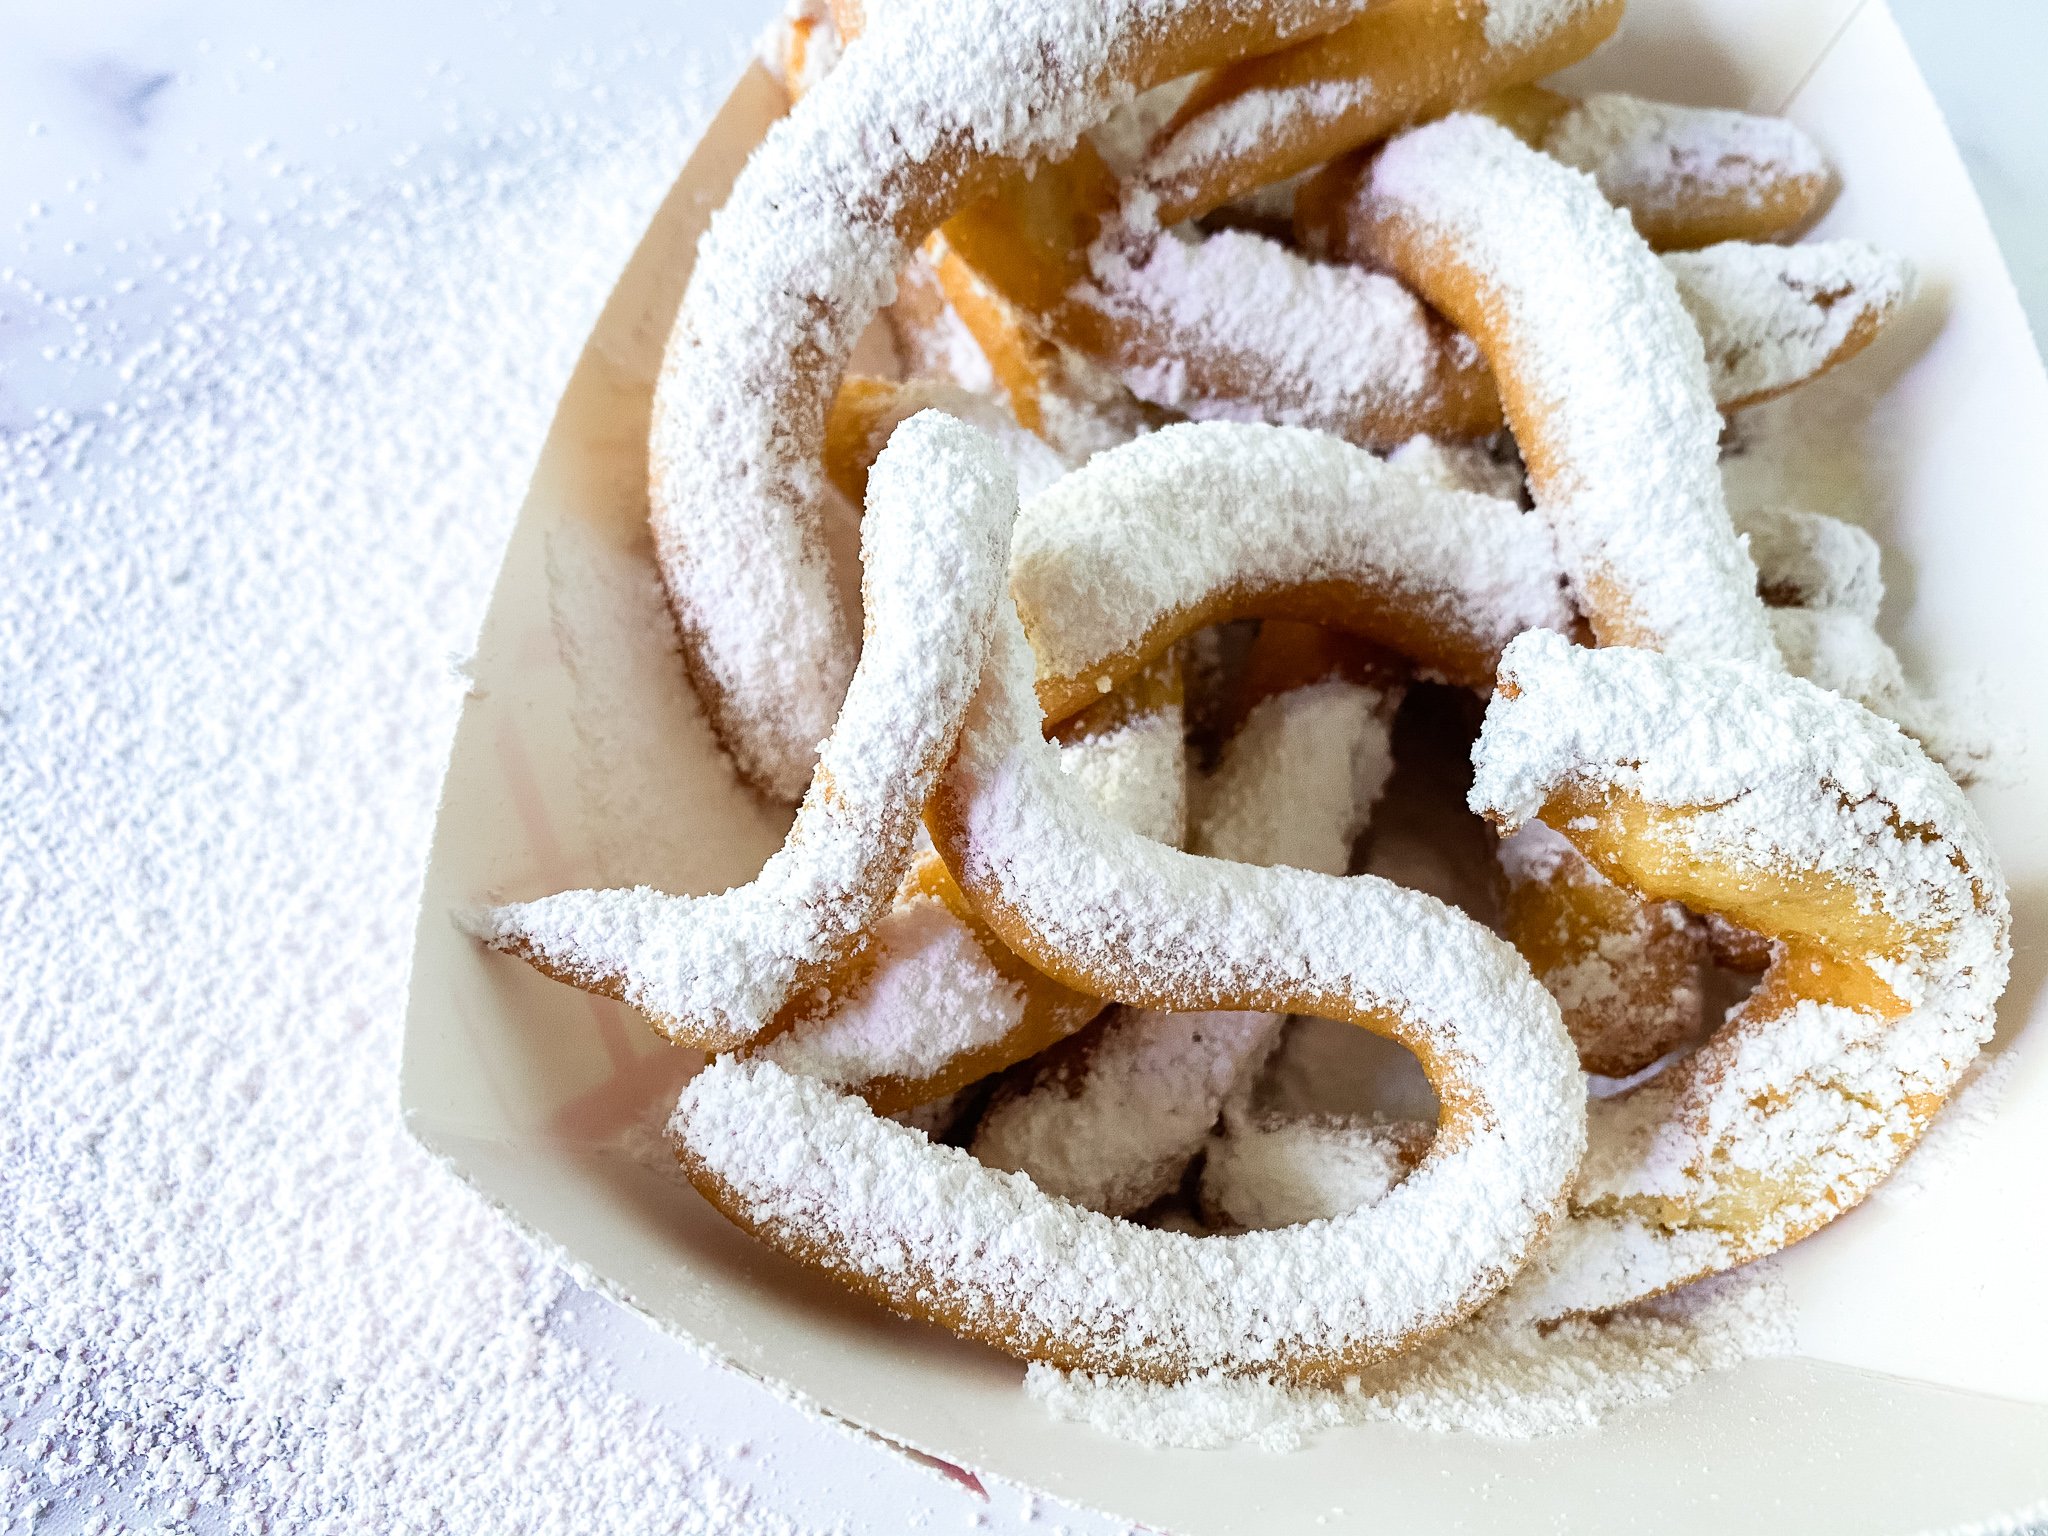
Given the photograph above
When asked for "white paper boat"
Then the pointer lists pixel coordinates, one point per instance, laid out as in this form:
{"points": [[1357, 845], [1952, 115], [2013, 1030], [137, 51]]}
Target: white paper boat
{"points": [[1919, 1397]]}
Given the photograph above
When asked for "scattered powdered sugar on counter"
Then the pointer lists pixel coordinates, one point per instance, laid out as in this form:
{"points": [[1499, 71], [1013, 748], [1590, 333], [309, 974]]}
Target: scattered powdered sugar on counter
{"points": [[1502, 1380], [236, 1296]]}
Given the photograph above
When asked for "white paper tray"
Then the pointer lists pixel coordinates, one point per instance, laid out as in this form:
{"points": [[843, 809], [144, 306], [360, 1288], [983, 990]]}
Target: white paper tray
{"points": [[1920, 1397]]}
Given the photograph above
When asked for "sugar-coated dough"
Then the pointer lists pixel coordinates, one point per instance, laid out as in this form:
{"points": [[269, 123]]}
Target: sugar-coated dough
{"points": [[1794, 814], [719, 971]]}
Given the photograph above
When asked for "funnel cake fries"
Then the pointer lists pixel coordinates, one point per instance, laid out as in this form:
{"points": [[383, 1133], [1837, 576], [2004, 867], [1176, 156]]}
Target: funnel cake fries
{"points": [[1000, 1033], [924, 112], [929, 1232]]}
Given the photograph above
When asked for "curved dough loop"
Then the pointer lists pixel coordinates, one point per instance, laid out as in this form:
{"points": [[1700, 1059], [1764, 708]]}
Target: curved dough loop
{"points": [[1797, 815], [932, 1234], [718, 971]]}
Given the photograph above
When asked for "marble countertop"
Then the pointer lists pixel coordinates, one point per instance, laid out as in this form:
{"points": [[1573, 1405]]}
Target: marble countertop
{"points": [[119, 117]]}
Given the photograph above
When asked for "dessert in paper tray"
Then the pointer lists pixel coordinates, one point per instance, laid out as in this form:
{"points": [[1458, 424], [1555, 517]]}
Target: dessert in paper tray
{"points": [[1377, 873]]}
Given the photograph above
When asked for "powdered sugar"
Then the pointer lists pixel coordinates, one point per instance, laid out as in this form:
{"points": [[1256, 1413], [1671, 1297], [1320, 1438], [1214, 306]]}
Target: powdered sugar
{"points": [[1035, 462], [1136, 773], [799, 260], [1779, 1122], [1772, 316], [716, 970], [1658, 158], [1490, 1377], [1109, 555], [1521, 23], [1462, 467], [1617, 421], [1113, 1123], [1266, 1171], [237, 1296], [1247, 122], [1841, 651], [932, 995], [1298, 781], [1811, 560], [1237, 327]]}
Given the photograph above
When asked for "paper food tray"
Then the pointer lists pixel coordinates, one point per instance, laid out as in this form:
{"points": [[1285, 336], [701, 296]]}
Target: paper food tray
{"points": [[1918, 1399]]}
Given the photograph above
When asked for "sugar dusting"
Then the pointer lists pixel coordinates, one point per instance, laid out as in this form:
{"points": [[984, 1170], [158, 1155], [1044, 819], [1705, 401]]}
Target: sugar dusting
{"points": [[932, 995], [801, 257], [1620, 426], [1113, 1126], [1788, 1116], [1519, 23], [926, 1227], [1659, 157], [1279, 338], [1109, 551], [1496, 1379]]}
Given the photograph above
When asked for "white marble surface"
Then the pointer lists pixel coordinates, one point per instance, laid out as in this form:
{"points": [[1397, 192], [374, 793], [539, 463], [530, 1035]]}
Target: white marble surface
{"points": [[116, 115]]}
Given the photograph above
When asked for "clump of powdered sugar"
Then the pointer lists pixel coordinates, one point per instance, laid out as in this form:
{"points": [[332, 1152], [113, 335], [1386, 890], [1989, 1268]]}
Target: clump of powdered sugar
{"points": [[1811, 560], [1490, 1377], [1298, 781], [1136, 771], [1269, 1170]]}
